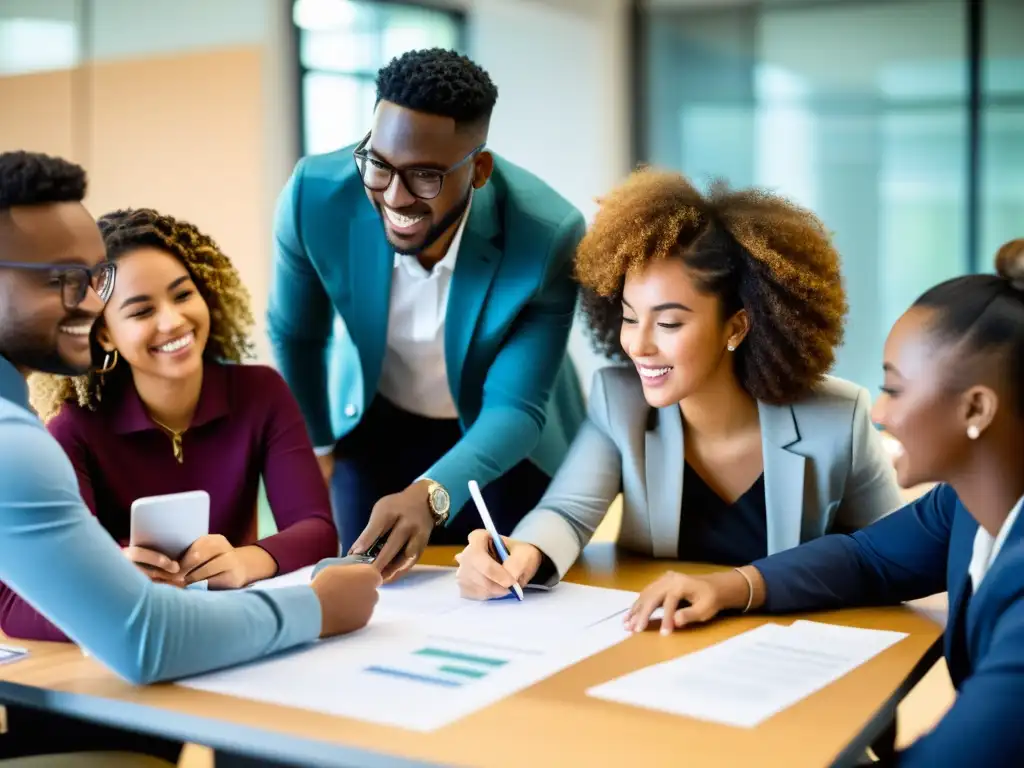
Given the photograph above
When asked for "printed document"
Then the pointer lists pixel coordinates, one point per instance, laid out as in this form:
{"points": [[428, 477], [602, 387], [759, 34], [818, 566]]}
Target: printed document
{"points": [[748, 678], [429, 657]]}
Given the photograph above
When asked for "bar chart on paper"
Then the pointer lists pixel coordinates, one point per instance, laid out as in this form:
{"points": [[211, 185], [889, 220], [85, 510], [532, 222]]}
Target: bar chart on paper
{"points": [[428, 656], [444, 663]]}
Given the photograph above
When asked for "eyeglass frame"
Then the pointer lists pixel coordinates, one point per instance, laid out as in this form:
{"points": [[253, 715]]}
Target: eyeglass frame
{"points": [[360, 153], [62, 270]]}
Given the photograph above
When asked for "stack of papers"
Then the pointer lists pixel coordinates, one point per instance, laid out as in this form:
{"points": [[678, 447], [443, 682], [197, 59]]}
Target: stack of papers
{"points": [[428, 656], [431, 596], [748, 678]]}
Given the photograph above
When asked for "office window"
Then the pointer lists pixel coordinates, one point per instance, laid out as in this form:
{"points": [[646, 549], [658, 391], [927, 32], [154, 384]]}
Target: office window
{"points": [[342, 44], [857, 110], [39, 37], [1002, 128]]}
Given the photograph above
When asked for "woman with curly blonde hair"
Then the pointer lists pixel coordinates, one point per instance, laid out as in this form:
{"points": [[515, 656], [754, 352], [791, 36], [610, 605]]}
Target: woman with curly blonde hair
{"points": [[169, 408], [724, 435]]}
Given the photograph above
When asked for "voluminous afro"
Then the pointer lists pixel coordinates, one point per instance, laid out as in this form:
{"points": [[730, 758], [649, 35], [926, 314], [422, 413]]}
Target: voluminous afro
{"points": [[439, 82], [755, 250], [31, 178], [215, 277]]}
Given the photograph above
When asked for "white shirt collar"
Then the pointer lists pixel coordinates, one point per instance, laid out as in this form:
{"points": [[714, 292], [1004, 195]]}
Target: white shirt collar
{"points": [[448, 262], [987, 547]]}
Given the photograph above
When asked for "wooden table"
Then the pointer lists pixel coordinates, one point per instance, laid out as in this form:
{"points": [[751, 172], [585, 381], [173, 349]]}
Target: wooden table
{"points": [[551, 723]]}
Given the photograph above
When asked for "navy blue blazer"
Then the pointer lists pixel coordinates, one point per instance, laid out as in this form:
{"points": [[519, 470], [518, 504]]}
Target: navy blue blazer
{"points": [[919, 550]]}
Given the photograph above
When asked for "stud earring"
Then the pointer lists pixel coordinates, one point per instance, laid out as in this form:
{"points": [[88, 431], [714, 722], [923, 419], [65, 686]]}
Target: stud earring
{"points": [[973, 432], [731, 347]]}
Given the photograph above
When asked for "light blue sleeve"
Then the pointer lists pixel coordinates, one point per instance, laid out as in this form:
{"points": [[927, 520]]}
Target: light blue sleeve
{"points": [[58, 557]]}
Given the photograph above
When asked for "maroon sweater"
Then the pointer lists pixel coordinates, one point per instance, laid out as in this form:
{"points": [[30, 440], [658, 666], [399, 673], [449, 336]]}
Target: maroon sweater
{"points": [[246, 424]]}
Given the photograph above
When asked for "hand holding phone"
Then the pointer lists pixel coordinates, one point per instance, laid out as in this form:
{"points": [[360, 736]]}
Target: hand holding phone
{"points": [[363, 558], [170, 523], [156, 565]]}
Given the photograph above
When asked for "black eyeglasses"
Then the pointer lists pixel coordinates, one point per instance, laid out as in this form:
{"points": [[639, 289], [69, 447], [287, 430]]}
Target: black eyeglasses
{"points": [[75, 280], [424, 183]]}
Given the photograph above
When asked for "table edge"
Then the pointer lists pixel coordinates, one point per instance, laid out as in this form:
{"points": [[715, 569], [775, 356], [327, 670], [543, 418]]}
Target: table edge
{"points": [[296, 751], [304, 750], [214, 733], [886, 713]]}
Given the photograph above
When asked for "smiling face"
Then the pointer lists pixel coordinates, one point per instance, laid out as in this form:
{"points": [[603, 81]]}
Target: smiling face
{"points": [[156, 318], [675, 333], [921, 405], [409, 140], [37, 330]]}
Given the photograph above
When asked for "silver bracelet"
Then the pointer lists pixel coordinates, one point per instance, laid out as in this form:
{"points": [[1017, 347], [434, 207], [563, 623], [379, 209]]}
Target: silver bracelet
{"points": [[750, 589]]}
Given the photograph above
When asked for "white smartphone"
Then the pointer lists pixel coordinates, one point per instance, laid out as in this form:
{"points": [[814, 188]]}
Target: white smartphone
{"points": [[170, 523]]}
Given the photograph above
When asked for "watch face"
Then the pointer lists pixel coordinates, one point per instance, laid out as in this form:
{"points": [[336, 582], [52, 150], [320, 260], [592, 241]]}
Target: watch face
{"points": [[439, 501]]}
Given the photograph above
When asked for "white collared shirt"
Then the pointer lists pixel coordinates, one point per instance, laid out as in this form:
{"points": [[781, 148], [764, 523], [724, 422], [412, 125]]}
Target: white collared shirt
{"points": [[987, 547], [414, 375]]}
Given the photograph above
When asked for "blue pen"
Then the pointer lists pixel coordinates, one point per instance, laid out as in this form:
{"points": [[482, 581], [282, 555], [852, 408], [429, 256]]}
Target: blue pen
{"points": [[499, 545]]}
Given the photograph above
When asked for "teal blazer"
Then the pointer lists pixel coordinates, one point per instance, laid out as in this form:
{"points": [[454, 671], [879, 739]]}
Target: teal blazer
{"points": [[510, 308]]}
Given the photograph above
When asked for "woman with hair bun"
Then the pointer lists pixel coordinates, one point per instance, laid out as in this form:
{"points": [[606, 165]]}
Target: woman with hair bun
{"points": [[724, 435], [954, 398]]}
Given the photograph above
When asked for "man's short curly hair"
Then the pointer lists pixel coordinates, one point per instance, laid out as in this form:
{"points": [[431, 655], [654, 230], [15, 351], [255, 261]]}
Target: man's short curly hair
{"points": [[755, 250], [439, 82], [32, 178], [215, 277]]}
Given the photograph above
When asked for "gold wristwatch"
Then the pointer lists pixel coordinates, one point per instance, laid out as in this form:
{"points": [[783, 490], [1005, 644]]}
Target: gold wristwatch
{"points": [[439, 502]]}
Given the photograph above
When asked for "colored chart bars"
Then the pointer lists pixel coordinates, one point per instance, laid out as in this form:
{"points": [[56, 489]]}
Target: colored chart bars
{"points": [[443, 666]]}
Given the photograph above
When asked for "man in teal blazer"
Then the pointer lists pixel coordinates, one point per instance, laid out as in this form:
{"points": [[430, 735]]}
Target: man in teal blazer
{"points": [[450, 271]]}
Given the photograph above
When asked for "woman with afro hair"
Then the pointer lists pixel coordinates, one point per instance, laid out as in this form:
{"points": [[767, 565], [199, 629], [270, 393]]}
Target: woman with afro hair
{"points": [[723, 434], [169, 408]]}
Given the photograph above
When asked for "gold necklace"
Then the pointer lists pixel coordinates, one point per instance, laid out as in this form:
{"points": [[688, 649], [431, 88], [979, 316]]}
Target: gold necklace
{"points": [[175, 440]]}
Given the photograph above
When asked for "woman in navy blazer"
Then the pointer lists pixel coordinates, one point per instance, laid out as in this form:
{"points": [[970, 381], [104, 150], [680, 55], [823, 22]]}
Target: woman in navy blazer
{"points": [[954, 398]]}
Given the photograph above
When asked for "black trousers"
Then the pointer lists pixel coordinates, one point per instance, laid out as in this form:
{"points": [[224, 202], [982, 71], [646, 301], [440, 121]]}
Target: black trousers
{"points": [[36, 732], [391, 448]]}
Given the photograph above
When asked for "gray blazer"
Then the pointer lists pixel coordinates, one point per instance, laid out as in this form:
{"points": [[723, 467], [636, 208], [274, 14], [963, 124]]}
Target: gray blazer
{"points": [[825, 469]]}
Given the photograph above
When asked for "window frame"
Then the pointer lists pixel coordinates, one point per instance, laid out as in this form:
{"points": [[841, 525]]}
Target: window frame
{"points": [[302, 71], [975, 16]]}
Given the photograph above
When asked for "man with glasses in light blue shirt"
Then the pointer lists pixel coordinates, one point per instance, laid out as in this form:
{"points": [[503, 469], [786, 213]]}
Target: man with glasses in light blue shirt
{"points": [[54, 280]]}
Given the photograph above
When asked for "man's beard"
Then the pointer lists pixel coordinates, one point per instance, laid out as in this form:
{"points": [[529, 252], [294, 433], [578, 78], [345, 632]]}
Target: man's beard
{"points": [[37, 358], [449, 219], [27, 348]]}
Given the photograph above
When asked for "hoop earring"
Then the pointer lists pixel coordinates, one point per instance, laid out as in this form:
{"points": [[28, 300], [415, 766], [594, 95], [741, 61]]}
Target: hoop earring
{"points": [[107, 365]]}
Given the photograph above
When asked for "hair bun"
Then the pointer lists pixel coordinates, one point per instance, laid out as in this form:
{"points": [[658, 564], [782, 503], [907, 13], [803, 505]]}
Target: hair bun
{"points": [[1010, 262]]}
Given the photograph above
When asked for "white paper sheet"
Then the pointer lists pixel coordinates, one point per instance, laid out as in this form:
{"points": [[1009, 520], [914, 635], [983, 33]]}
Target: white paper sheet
{"points": [[543, 620], [11, 653], [748, 678], [429, 657], [301, 576]]}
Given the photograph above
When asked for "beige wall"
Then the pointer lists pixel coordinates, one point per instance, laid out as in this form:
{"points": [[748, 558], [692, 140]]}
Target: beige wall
{"points": [[183, 134], [190, 107], [37, 113]]}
